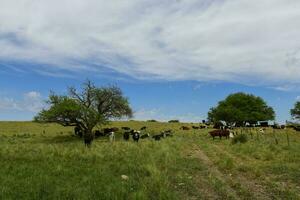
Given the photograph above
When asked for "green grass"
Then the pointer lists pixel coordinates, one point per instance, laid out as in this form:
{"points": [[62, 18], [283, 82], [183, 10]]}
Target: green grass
{"points": [[46, 162]]}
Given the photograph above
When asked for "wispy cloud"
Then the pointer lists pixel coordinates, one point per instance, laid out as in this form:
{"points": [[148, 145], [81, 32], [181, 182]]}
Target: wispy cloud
{"points": [[239, 41], [30, 102], [160, 115]]}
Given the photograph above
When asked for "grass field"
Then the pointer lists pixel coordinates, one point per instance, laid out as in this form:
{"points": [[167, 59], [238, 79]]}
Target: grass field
{"points": [[44, 161]]}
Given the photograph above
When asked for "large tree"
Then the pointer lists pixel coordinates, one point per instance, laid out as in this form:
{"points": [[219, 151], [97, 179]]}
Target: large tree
{"points": [[86, 108], [240, 108], [295, 112]]}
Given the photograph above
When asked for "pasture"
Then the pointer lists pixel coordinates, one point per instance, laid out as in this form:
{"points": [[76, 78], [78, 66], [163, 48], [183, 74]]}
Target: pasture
{"points": [[45, 161]]}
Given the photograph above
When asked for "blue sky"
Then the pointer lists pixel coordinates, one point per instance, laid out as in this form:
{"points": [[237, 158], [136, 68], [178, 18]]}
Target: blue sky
{"points": [[173, 58]]}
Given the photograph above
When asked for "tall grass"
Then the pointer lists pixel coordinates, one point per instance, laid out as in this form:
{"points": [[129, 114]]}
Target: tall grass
{"points": [[46, 162]]}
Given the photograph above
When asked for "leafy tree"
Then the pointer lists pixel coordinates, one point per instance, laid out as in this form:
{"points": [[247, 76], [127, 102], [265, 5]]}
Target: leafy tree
{"points": [[295, 112], [86, 108], [240, 108]]}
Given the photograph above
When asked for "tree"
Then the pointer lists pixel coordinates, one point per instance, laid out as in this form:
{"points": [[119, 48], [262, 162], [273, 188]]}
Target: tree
{"points": [[86, 108], [295, 112], [241, 108]]}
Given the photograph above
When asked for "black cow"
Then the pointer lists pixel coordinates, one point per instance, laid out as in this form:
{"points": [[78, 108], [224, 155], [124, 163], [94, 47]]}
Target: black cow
{"points": [[126, 136], [157, 137], [109, 130], [98, 133], [143, 128], [78, 131], [126, 128], [147, 135], [195, 127], [136, 136], [88, 138]]}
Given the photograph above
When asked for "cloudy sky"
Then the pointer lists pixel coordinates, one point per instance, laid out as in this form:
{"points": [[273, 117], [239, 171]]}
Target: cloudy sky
{"points": [[172, 58]]}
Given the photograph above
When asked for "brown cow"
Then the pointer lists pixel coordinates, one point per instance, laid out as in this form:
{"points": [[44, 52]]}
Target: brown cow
{"points": [[185, 128], [220, 133]]}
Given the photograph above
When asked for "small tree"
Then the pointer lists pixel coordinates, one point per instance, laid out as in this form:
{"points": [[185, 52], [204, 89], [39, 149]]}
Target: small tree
{"points": [[240, 108], [85, 109], [295, 112]]}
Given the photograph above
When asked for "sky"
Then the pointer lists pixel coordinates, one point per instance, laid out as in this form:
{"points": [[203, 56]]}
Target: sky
{"points": [[173, 59]]}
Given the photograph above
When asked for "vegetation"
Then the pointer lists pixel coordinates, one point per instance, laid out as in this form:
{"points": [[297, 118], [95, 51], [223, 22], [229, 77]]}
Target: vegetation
{"points": [[86, 109], [295, 112], [45, 161], [241, 138], [241, 108], [174, 121]]}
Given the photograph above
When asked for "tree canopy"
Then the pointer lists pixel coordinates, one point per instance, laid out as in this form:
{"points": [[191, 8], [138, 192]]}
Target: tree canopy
{"points": [[86, 108], [240, 108], [295, 112]]}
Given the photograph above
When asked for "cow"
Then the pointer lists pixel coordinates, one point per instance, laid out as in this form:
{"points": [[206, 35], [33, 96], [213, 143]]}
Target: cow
{"points": [[136, 136], [147, 135], [296, 128], [126, 128], [112, 136], [126, 135], [261, 130], [185, 128], [78, 131], [143, 128], [109, 130], [98, 133], [88, 138], [195, 127], [203, 126], [157, 137], [220, 133]]}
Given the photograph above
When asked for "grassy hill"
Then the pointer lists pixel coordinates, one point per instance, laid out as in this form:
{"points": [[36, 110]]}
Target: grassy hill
{"points": [[45, 161]]}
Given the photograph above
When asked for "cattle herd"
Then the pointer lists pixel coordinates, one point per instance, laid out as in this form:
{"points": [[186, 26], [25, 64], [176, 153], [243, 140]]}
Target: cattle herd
{"points": [[127, 132], [219, 131]]}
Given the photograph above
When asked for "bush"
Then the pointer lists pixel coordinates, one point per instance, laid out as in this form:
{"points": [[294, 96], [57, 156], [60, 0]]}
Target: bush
{"points": [[242, 138], [174, 121], [151, 120]]}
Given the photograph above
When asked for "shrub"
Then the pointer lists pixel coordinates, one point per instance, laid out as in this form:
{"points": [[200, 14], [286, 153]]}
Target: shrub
{"points": [[241, 138], [151, 120], [174, 121]]}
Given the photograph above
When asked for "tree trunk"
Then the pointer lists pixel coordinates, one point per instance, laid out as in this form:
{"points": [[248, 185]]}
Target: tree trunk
{"points": [[88, 137]]}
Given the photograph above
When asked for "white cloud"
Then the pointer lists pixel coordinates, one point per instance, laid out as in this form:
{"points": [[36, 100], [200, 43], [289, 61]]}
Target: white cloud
{"points": [[298, 98], [30, 102], [160, 115], [249, 42]]}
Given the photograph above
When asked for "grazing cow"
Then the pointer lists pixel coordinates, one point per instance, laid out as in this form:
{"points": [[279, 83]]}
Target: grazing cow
{"points": [[168, 134], [282, 127], [195, 127], [126, 136], [203, 126], [147, 135], [143, 128], [185, 128], [219, 133], [78, 131], [261, 131], [112, 136], [126, 128], [109, 130], [88, 138], [157, 137], [98, 133], [296, 128], [136, 136], [168, 131]]}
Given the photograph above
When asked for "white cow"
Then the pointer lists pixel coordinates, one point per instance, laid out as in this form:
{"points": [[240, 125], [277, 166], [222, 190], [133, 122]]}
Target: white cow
{"points": [[112, 136], [261, 131]]}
